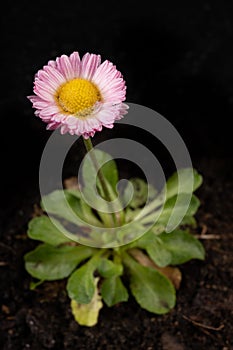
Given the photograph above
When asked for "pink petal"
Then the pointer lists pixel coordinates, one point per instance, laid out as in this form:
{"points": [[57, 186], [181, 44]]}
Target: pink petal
{"points": [[45, 86], [104, 68], [109, 126], [50, 110], [45, 95], [46, 78], [52, 126], [110, 83], [64, 129], [52, 64], [90, 63], [55, 75], [75, 63], [65, 67], [59, 117]]}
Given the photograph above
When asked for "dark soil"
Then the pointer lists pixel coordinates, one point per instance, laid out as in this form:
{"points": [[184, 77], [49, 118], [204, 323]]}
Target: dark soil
{"points": [[42, 319]]}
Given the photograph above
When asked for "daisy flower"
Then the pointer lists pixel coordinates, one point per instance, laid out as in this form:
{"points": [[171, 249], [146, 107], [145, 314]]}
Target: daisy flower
{"points": [[79, 96]]}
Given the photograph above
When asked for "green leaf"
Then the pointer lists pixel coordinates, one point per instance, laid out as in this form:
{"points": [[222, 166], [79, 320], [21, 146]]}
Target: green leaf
{"points": [[87, 314], [81, 284], [41, 228], [128, 233], [154, 248], [64, 205], [52, 263], [141, 192], [177, 198], [88, 215], [182, 246], [172, 248], [189, 220], [185, 185], [158, 228], [179, 208], [113, 291], [175, 208], [109, 169], [159, 254], [152, 290], [108, 268], [74, 192]]}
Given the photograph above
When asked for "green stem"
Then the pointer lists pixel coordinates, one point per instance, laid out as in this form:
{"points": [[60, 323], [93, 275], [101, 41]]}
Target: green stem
{"points": [[89, 147], [107, 194], [129, 261]]}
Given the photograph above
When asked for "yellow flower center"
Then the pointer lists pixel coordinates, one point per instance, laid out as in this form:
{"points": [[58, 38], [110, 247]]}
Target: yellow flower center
{"points": [[78, 96]]}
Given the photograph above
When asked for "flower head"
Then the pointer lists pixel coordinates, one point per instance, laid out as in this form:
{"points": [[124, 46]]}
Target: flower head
{"points": [[79, 96]]}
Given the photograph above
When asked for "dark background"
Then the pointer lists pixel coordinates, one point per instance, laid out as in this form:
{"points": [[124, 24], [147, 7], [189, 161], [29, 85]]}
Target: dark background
{"points": [[176, 57]]}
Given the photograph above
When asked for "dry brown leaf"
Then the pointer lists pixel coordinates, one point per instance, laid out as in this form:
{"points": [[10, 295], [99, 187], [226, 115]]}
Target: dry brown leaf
{"points": [[172, 273], [71, 183]]}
